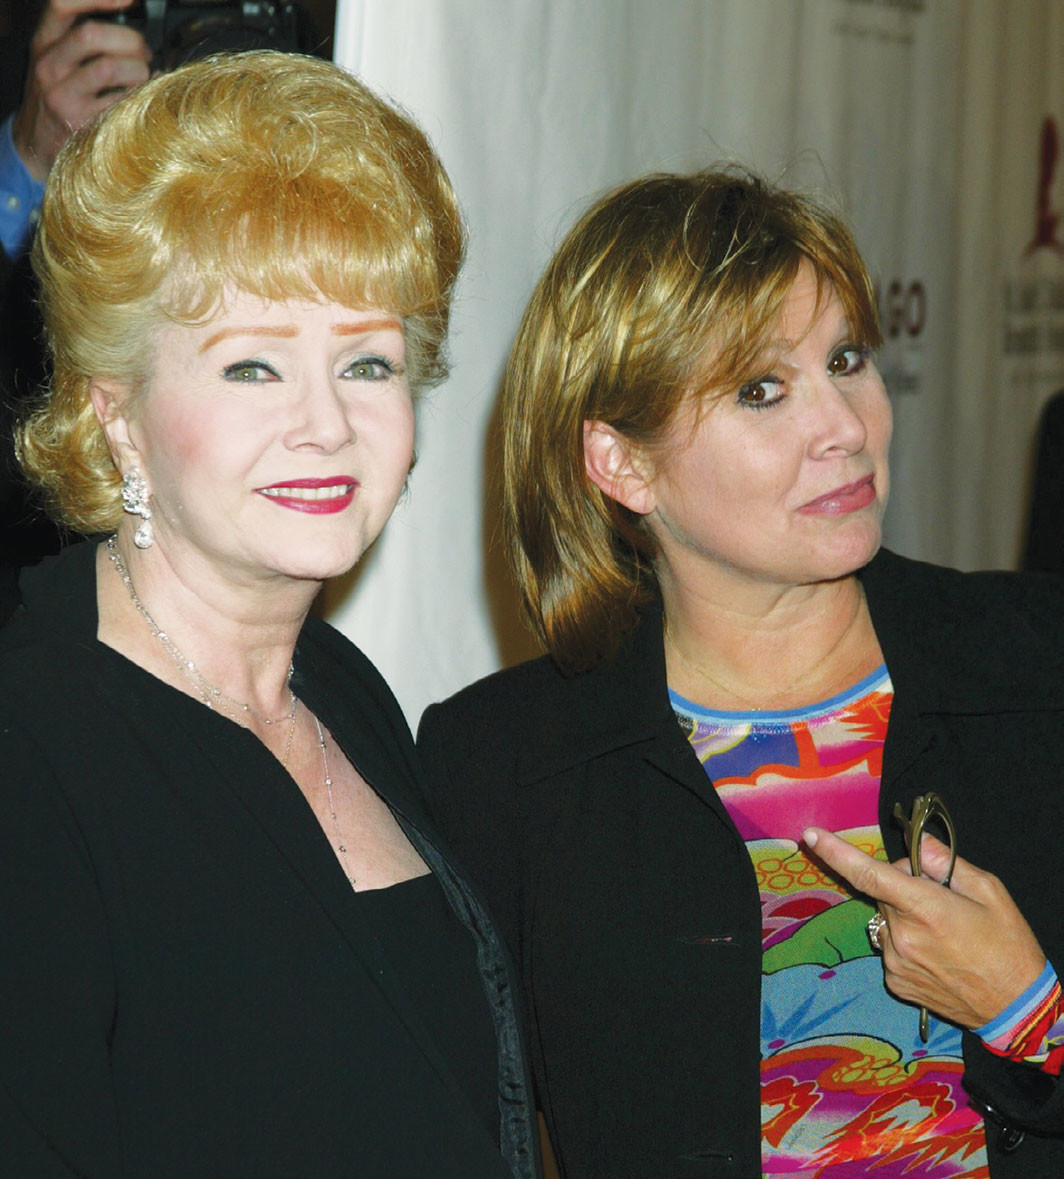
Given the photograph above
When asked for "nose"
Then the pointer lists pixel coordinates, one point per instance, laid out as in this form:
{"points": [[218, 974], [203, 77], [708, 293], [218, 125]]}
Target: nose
{"points": [[321, 420], [838, 425]]}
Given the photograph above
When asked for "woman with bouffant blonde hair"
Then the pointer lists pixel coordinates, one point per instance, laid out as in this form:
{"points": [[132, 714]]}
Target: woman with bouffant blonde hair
{"points": [[237, 945], [180, 195], [683, 813]]}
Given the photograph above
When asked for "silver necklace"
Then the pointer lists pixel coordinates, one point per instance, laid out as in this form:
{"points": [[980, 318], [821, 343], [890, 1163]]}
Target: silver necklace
{"points": [[207, 693], [341, 847], [213, 697]]}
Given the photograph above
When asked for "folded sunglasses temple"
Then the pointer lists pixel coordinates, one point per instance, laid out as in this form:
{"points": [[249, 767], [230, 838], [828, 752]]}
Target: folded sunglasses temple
{"points": [[926, 807]]}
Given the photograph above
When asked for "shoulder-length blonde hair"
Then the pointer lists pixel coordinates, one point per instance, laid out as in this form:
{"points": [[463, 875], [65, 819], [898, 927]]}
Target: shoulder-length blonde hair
{"points": [[271, 173], [667, 289]]}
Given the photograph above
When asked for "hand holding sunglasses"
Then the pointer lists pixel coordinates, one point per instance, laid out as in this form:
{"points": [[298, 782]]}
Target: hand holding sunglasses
{"points": [[964, 951]]}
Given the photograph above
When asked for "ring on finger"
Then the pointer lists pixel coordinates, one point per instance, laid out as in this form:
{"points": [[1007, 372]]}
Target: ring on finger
{"points": [[874, 929]]}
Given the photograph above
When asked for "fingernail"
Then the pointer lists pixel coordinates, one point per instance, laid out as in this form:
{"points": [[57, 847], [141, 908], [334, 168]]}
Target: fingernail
{"points": [[809, 838]]}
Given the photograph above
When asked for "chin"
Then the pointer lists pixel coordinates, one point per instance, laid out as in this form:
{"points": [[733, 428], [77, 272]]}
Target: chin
{"points": [[838, 557], [854, 556], [314, 564]]}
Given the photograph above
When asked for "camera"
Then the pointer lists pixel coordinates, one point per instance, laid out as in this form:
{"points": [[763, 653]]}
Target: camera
{"points": [[180, 30]]}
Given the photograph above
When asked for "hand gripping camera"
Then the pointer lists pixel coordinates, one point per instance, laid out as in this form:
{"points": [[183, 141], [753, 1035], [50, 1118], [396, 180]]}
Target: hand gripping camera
{"points": [[180, 30]]}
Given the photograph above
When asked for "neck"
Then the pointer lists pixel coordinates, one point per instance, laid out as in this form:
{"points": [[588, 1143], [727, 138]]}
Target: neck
{"points": [[240, 637], [782, 647]]}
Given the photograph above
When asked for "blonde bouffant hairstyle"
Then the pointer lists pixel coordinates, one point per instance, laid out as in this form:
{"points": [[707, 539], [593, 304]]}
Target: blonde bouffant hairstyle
{"points": [[662, 295], [273, 174]]}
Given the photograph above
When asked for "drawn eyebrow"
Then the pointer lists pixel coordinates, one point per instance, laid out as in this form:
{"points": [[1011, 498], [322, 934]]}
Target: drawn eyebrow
{"points": [[365, 326], [287, 330]]}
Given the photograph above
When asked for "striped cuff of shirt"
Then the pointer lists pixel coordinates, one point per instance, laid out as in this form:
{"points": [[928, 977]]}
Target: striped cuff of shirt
{"points": [[1031, 1029]]}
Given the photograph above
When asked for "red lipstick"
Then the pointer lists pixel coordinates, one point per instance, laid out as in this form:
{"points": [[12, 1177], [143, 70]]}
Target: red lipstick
{"points": [[843, 500], [317, 497]]}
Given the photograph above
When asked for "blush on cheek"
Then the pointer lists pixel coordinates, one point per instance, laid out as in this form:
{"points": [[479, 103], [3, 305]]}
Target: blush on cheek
{"points": [[193, 438]]}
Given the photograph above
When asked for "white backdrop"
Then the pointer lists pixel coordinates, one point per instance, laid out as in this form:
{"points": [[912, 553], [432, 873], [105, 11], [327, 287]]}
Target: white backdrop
{"points": [[931, 122]]}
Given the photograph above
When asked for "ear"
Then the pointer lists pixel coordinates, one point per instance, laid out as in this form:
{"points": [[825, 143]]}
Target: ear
{"points": [[617, 469], [108, 400]]}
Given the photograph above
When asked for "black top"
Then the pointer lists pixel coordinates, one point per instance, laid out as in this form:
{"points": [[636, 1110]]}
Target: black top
{"points": [[435, 959], [191, 986], [631, 902]]}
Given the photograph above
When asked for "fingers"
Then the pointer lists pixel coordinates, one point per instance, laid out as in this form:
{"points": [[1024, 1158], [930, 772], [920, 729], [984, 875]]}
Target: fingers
{"points": [[893, 884], [59, 15], [965, 952], [881, 882], [84, 42], [935, 859], [76, 69], [968, 880], [94, 86]]}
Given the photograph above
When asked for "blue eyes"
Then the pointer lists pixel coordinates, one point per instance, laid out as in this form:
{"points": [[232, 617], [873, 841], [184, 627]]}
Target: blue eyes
{"points": [[259, 372], [767, 391]]}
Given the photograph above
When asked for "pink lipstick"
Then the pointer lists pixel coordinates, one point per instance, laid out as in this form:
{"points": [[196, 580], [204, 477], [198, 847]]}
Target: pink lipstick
{"points": [[318, 497], [843, 500]]}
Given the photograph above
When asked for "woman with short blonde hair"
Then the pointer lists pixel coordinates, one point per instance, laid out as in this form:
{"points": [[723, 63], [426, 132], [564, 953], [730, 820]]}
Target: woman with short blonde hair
{"points": [[628, 315], [683, 813]]}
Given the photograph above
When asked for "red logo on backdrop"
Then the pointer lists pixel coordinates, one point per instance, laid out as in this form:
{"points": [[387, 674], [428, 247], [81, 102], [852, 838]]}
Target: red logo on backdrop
{"points": [[1045, 228]]}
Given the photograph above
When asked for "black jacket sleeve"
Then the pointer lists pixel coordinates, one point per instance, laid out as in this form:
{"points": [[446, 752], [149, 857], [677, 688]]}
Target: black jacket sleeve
{"points": [[57, 1115]]}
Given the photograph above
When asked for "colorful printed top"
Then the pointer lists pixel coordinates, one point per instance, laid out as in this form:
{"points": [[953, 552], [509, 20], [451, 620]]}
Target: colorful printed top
{"points": [[848, 1087]]}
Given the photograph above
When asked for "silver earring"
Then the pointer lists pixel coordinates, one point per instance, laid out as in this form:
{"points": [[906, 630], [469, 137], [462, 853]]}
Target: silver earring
{"points": [[135, 501]]}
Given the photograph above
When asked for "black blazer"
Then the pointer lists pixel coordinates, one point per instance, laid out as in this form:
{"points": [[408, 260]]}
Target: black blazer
{"points": [[190, 987], [1044, 545], [630, 901]]}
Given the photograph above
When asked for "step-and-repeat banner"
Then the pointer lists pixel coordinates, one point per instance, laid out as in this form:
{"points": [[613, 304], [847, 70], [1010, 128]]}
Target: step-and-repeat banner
{"points": [[937, 126]]}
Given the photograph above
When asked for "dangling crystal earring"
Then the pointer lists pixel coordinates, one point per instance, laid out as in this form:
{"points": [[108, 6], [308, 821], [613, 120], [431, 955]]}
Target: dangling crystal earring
{"points": [[135, 501]]}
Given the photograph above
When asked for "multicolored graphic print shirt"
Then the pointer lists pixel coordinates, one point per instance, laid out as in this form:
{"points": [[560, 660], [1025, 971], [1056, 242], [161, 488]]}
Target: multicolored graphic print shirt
{"points": [[848, 1088]]}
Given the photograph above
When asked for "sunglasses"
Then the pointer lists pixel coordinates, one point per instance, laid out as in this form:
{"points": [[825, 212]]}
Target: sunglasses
{"points": [[926, 808]]}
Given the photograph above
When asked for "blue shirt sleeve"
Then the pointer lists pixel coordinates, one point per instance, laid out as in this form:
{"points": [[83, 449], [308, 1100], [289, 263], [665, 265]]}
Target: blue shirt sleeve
{"points": [[20, 196], [1020, 1008]]}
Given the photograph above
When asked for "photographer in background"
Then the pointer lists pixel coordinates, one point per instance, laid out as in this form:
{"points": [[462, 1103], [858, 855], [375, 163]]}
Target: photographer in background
{"points": [[76, 68], [73, 68], [85, 54]]}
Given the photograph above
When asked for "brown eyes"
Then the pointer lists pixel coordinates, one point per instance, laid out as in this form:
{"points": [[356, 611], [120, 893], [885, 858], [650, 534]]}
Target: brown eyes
{"points": [[847, 361], [761, 393], [768, 390]]}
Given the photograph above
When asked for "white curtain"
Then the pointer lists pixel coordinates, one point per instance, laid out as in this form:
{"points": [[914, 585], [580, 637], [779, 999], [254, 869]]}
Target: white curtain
{"points": [[932, 123]]}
